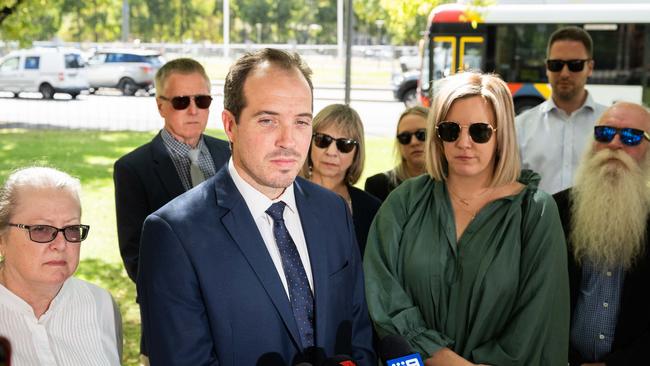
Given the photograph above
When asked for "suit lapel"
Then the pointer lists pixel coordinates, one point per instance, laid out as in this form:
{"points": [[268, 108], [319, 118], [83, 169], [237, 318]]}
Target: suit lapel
{"points": [[317, 247], [165, 169], [242, 228]]}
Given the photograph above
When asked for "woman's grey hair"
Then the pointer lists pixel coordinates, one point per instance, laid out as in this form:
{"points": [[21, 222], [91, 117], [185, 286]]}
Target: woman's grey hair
{"points": [[33, 177]]}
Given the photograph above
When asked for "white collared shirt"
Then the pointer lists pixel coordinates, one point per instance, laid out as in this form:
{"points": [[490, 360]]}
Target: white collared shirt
{"points": [[77, 329], [552, 143], [257, 204]]}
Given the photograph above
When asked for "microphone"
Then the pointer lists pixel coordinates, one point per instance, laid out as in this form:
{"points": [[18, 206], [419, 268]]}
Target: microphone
{"points": [[339, 360], [396, 351], [5, 352]]}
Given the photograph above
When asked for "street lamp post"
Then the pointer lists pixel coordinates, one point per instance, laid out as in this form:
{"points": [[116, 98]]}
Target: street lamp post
{"points": [[259, 32], [380, 25]]}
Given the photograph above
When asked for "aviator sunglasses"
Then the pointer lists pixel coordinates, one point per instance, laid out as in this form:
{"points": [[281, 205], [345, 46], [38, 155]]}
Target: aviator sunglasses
{"points": [[558, 65], [480, 132], [344, 145], [182, 102], [629, 136], [404, 138], [47, 233]]}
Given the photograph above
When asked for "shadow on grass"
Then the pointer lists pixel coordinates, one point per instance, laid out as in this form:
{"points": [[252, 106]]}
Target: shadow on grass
{"points": [[112, 277]]}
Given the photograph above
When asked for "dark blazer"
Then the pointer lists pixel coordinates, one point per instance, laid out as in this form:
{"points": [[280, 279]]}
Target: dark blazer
{"points": [[631, 344], [380, 185], [145, 179], [210, 294], [364, 209]]}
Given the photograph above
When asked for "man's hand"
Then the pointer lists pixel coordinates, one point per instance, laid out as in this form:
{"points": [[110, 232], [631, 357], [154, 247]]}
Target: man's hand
{"points": [[447, 357]]}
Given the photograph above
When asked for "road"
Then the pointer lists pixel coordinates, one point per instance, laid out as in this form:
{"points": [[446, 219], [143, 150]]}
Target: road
{"points": [[109, 111]]}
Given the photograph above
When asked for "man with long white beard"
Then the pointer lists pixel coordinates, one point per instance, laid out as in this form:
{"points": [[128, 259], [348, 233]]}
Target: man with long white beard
{"points": [[605, 217]]}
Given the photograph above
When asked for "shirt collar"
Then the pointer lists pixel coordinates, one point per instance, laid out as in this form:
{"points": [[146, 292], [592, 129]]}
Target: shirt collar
{"points": [[550, 104], [256, 201], [179, 147]]}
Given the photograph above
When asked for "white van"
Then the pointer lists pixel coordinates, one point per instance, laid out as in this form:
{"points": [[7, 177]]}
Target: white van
{"points": [[44, 70]]}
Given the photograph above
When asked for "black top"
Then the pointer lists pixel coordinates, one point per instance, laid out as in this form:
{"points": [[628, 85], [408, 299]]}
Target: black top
{"points": [[632, 335], [380, 185], [364, 209]]}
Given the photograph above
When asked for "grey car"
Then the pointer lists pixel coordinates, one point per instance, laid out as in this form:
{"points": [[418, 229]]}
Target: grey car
{"points": [[126, 70]]}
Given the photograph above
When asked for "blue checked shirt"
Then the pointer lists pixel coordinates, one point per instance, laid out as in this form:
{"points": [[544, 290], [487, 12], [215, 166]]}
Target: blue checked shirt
{"points": [[178, 151], [596, 312]]}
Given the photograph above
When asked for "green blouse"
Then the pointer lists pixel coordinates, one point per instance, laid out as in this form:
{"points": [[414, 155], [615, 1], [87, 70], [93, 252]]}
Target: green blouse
{"points": [[497, 296]]}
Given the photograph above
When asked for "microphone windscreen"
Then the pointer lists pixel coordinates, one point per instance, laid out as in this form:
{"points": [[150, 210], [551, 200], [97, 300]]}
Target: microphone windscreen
{"points": [[339, 360], [394, 346]]}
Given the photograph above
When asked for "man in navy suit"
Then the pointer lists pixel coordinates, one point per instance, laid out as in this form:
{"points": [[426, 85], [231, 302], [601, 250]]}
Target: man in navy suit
{"points": [[158, 171], [256, 266]]}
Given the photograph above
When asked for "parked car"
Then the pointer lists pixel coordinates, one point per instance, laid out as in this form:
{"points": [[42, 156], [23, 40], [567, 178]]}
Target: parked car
{"points": [[405, 88], [44, 70], [126, 70]]}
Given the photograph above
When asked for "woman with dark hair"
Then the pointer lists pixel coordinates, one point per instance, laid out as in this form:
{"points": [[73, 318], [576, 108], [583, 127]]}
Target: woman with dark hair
{"points": [[409, 153], [335, 161]]}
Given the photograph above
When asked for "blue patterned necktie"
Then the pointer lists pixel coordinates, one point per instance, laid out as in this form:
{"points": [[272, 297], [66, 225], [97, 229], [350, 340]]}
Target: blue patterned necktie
{"points": [[302, 301]]}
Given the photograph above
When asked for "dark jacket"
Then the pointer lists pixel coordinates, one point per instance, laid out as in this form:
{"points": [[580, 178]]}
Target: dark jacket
{"points": [[380, 185], [364, 209], [631, 344], [145, 180]]}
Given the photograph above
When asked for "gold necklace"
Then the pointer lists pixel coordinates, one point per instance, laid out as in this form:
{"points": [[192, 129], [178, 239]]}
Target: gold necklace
{"points": [[467, 201]]}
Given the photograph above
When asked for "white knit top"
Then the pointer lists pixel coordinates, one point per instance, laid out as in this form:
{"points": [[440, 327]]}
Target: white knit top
{"points": [[77, 329]]}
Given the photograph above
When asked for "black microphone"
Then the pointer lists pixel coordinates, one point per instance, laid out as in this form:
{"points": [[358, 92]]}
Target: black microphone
{"points": [[5, 352], [339, 360], [396, 351]]}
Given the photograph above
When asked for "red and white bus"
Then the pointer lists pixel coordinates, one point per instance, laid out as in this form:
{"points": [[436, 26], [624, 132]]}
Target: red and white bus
{"points": [[511, 39]]}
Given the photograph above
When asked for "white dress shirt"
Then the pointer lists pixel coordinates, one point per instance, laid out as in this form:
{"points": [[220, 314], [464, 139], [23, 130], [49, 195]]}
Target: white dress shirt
{"points": [[258, 203], [77, 329], [552, 142]]}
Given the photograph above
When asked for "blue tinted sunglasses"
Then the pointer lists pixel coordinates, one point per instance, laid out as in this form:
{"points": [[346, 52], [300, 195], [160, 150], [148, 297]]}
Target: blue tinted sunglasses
{"points": [[629, 136]]}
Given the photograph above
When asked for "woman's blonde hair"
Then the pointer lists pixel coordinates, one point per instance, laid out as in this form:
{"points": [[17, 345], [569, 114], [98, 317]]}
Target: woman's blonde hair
{"points": [[401, 173], [347, 119], [492, 89]]}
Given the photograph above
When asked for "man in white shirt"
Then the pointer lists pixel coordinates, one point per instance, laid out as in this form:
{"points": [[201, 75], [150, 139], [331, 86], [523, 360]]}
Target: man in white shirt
{"points": [[553, 135], [256, 266]]}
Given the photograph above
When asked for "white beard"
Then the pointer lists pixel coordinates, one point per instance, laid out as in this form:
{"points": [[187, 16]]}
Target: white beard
{"points": [[611, 203]]}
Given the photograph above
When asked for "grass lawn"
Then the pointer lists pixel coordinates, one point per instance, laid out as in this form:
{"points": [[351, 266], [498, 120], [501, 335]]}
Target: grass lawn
{"points": [[89, 155]]}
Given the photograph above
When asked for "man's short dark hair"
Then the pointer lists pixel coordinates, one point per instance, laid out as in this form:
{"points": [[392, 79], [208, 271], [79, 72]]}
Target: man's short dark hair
{"points": [[571, 34], [233, 89]]}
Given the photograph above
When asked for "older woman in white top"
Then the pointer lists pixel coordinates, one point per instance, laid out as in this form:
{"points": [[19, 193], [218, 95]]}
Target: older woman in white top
{"points": [[49, 317]]}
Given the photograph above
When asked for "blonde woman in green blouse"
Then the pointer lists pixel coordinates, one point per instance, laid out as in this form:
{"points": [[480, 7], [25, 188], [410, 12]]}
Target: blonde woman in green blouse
{"points": [[468, 262]]}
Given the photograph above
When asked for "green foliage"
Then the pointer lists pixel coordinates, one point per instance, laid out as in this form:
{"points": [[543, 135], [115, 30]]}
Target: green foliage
{"points": [[31, 20]]}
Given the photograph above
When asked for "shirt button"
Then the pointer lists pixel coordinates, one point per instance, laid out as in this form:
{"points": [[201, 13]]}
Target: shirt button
{"points": [[601, 336], [609, 274], [605, 304]]}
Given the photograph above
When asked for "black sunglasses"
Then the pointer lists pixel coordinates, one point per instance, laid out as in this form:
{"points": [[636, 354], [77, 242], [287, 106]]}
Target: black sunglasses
{"points": [[558, 65], [480, 132], [182, 102], [404, 138], [629, 136], [344, 145], [47, 233]]}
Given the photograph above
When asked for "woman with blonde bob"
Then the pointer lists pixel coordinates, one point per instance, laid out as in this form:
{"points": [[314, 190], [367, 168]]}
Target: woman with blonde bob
{"points": [[409, 153], [468, 262], [335, 161]]}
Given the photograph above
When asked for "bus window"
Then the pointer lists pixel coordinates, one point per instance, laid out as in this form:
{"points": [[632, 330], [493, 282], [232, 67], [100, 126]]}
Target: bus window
{"points": [[471, 53], [444, 60]]}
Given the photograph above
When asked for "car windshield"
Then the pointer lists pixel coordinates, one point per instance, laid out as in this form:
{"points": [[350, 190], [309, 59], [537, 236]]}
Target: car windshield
{"points": [[73, 61]]}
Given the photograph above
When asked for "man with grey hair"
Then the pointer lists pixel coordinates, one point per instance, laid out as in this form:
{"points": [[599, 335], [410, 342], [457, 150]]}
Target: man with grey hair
{"points": [[606, 222], [177, 159]]}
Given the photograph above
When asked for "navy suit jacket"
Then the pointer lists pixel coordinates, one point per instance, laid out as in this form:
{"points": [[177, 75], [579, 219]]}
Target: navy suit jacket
{"points": [[146, 179], [210, 294]]}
